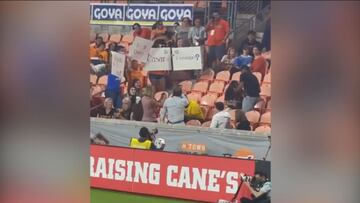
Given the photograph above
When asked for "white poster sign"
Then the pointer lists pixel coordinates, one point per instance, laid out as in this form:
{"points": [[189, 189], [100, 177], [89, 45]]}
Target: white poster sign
{"points": [[140, 48], [159, 59], [118, 64], [187, 58]]}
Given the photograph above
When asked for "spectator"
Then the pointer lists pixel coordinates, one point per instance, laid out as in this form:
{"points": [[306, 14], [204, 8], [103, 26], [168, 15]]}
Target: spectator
{"points": [[242, 122], [243, 60], [125, 112], [131, 94], [260, 188], [197, 34], [144, 142], [174, 107], [102, 53], [251, 87], [93, 49], [137, 84], [233, 95], [182, 31], [158, 31], [222, 118], [113, 90], [141, 32], [193, 111], [259, 64], [250, 42], [217, 31], [150, 105], [137, 110], [108, 110], [228, 59], [134, 71], [158, 78], [99, 139]]}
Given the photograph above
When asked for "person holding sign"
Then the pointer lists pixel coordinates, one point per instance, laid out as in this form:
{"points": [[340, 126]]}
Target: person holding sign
{"points": [[217, 31]]}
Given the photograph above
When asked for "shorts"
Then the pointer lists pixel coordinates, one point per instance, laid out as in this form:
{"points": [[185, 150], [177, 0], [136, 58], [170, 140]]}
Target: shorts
{"points": [[216, 52]]}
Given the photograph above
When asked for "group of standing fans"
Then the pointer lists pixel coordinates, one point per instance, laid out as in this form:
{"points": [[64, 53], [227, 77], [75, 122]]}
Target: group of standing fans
{"points": [[138, 102]]}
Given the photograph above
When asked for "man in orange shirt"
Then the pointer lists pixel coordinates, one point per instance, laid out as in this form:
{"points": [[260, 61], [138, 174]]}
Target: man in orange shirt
{"points": [[259, 64], [217, 31], [93, 49], [141, 32]]}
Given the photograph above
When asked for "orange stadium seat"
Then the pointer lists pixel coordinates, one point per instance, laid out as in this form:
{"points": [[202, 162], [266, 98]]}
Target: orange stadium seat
{"points": [[263, 129], [208, 100], [210, 114], [105, 36], [115, 38], [92, 37], [244, 153], [103, 80], [186, 86], [207, 75], [217, 88], [201, 87], [236, 76], [93, 79], [193, 123], [260, 106], [267, 79], [258, 76], [206, 124], [128, 38], [265, 91], [221, 99], [268, 106], [196, 96], [253, 116], [223, 76], [266, 118], [125, 45], [157, 95]]}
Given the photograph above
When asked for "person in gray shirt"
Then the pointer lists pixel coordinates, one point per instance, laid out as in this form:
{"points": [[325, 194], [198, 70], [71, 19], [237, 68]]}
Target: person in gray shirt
{"points": [[174, 107], [197, 33]]}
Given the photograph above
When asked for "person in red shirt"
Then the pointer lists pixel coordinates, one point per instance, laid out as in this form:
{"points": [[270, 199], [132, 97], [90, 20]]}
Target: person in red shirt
{"points": [[259, 64], [141, 32], [217, 31]]}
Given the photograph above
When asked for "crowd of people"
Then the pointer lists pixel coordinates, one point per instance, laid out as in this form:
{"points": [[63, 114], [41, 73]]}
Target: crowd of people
{"points": [[137, 100]]}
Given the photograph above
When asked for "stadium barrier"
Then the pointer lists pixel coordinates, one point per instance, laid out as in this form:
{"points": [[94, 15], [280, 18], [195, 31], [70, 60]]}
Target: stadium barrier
{"points": [[192, 177], [217, 141]]}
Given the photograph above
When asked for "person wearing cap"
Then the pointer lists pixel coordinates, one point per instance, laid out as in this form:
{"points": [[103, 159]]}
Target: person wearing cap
{"points": [[144, 142], [141, 32]]}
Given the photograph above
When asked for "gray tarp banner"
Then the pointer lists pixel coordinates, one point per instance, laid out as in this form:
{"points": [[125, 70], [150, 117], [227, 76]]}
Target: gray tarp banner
{"points": [[218, 141]]}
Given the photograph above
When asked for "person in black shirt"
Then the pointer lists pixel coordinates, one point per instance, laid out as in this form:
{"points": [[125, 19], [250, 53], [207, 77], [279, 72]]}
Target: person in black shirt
{"points": [[250, 42], [233, 95], [251, 87], [108, 110]]}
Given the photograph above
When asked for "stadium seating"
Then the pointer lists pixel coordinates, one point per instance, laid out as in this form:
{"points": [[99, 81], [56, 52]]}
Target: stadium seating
{"points": [[236, 76], [115, 38], [223, 76], [92, 37], [263, 129], [105, 37], [93, 79], [204, 110], [260, 106], [207, 75], [157, 95], [221, 99], [211, 113], [201, 87], [208, 100], [103, 80], [267, 79], [253, 116], [258, 76], [206, 124], [196, 96], [268, 106], [193, 123], [266, 118], [217, 88], [186, 86], [128, 38], [265, 91]]}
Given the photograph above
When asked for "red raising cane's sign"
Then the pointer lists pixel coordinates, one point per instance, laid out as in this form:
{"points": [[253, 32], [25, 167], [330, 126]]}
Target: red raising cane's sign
{"points": [[194, 177]]}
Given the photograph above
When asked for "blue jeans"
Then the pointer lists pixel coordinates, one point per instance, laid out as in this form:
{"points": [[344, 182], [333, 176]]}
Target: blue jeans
{"points": [[248, 103], [115, 96]]}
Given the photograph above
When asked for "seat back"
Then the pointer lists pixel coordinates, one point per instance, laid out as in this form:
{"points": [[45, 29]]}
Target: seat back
{"points": [[115, 38], [186, 86], [263, 129], [105, 36], [253, 116], [217, 87], [194, 96], [223, 76], [236, 76], [208, 100], [266, 118], [201, 87], [193, 122]]}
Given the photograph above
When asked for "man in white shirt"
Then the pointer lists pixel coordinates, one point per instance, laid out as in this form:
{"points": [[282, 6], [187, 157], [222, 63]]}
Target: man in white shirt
{"points": [[222, 118], [174, 108]]}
